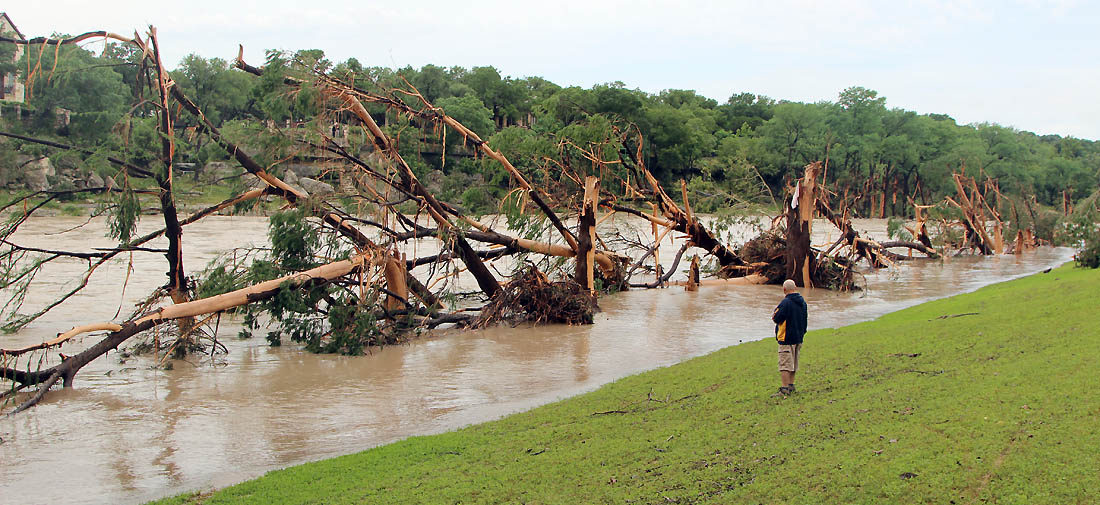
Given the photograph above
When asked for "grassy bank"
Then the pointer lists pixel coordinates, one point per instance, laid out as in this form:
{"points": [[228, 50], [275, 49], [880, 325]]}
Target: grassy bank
{"points": [[987, 397]]}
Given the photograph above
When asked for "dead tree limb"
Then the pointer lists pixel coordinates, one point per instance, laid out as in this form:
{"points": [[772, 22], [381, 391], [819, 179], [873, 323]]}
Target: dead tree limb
{"points": [[485, 279], [68, 368], [687, 223], [973, 220], [916, 246], [863, 248], [66, 41], [662, 279]]}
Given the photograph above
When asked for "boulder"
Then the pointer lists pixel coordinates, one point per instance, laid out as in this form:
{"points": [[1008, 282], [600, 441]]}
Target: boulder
{"points": [[303, 169], [290, 177], [315, 187], [94, 181], [36, 173], [299, 189]]}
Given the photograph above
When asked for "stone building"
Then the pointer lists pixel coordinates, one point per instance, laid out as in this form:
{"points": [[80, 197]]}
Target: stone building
{"points": [[11, 89]]}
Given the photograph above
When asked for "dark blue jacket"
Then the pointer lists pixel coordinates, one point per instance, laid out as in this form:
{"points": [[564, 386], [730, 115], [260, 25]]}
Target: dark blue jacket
{"points": [[790, 320]]}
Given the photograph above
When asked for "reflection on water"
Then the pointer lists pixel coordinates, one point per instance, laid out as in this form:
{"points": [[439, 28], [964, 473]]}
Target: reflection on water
{"points": [[128, 433]]}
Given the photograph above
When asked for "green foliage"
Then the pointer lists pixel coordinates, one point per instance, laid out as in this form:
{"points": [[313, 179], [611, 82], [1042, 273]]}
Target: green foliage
{"points": [[321, 317], [1088, 253], [221, 276], [75, 79], [744, 110], [220, 91], [123, 216], [469, 111], [895, 229], [1082, 231], [541, 127], [353, 328], [294, 240], [274, 99], [909, 408], [475, 201], [8, 63]]}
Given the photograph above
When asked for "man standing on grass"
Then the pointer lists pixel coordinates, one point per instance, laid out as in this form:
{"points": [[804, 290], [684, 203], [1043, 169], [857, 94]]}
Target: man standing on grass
{"points": [[790, 327]]}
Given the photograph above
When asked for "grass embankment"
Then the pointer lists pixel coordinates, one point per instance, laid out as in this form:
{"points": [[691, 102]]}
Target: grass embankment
{"points": [[191, 196], [998, 404]]}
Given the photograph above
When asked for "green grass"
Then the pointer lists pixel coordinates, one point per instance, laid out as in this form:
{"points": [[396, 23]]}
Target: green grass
{"points": [[189, 194], [1001, 406]]}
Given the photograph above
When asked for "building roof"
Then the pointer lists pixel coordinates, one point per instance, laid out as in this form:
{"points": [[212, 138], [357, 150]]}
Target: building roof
{"points": [[12, 25]]}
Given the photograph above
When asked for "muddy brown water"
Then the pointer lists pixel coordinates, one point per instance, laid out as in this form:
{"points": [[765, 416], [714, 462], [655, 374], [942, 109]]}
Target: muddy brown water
{"points": [[129, 432]]}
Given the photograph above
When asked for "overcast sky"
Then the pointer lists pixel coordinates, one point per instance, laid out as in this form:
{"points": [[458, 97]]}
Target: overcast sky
{"points": [[1031, 65]]}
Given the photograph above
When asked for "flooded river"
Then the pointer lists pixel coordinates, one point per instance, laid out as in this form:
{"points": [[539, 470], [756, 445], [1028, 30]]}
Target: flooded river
{"points": [[129, 432]]}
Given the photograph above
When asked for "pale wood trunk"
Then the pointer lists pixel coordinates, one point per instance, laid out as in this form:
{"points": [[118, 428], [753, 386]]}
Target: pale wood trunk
{"points": [[587, 235]]}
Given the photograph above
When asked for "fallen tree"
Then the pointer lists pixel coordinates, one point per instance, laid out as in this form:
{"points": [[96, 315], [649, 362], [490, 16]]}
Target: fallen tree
{"points": [[337, 277]]}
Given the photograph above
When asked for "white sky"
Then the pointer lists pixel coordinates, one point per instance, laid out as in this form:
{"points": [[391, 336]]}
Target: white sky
{"points": [[1032, 65]]}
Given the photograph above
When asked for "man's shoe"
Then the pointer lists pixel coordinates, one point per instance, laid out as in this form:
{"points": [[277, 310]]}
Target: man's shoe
{"points": [[790, 389], [783, 392]]}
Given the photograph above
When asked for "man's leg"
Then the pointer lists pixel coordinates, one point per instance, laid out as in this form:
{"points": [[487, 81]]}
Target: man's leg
{"points": [[796, 350], [786, 366]]}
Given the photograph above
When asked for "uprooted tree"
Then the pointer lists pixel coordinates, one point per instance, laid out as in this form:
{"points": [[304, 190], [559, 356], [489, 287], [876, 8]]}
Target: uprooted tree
{"points": [[337, 277]]}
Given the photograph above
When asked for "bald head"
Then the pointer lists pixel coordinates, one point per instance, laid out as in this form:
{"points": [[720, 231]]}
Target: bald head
{"points": [[789, 287]]}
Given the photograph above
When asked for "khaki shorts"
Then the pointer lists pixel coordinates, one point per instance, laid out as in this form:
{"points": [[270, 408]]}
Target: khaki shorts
{"points": [[788, 357]]}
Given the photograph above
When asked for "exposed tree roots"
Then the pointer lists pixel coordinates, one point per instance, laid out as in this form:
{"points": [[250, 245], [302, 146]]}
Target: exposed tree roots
{"points": [[532, 297]]}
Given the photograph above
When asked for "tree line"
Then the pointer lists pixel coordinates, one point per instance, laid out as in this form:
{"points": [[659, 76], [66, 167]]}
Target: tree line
{"points": [[880, 159]]}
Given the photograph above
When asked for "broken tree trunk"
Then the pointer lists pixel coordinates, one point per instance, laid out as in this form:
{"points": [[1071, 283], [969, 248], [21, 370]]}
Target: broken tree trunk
{"points": [[800, 260], [177, 287], [694, 276], [586, 235], [973, 220], [920, 231]]}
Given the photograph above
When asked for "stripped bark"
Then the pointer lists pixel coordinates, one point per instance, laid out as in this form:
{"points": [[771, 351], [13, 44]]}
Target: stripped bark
{"points": [[800, 260], [587, 236], [973, 207], [177, 286]]}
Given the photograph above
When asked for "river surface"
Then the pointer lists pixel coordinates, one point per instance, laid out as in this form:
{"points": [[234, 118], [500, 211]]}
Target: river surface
{"points": [[129, 431]]}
